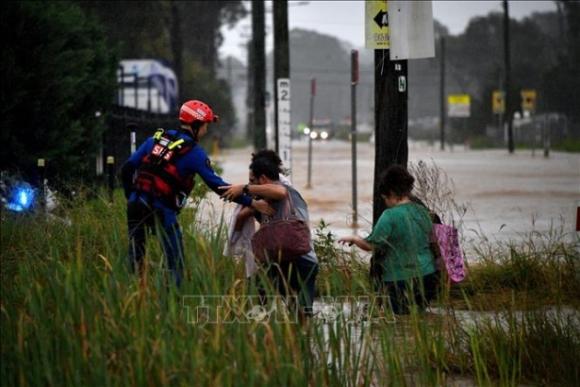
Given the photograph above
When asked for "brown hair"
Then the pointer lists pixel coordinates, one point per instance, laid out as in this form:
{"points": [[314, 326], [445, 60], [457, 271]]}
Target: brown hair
{"points": [[396, 180]]}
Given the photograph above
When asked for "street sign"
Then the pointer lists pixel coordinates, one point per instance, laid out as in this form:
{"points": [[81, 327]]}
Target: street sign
{"points": [[284, 124], [376, 24], [529, 98], [498, 102], [411, 30], [458, 105]]}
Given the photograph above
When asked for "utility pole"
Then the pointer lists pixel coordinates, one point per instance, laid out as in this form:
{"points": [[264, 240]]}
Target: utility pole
{"points": [[442, 92], [259, 74], [250, 95], [311, 123], [391, 145], [353, 137], [281, 55], [177, 43], [508, 105]]}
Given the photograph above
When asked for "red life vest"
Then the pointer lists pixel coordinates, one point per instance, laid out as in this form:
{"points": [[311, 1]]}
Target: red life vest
{"points": [[158, 175]]}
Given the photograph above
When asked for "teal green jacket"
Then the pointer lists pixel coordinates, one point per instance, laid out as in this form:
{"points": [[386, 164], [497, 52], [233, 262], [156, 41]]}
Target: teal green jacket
{"points": [[402, 234]]}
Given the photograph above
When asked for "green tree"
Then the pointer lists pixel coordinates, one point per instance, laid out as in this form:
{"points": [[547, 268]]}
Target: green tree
{"points": [[56, 72], [183, 33], [200, 84], [200, 25], [196, 37], [562, 81], [476, 62], [138, 29]]}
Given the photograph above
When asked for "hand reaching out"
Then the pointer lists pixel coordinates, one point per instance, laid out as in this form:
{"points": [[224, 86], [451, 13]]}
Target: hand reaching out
{"points": [[347, 240], [232, 191], [356, 240]]}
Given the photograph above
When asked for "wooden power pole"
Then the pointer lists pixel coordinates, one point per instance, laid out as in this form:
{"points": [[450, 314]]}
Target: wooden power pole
{"points": [[507, 85], [391, 145], [259, 74], [281, 55]]}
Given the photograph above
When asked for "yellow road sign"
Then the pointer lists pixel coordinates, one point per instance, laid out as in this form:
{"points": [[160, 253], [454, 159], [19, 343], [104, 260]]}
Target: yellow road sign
{"points": [[498, 102], [376, 24], [459, 99], [529, 98], [458, 105]]}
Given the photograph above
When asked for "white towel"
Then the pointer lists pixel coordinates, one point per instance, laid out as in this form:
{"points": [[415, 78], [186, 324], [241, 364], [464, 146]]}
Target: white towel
{"points": [[239, 243]]}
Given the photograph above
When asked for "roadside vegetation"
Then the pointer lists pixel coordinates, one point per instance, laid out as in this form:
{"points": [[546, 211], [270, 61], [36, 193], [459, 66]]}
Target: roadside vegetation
{"points": [[71, 314]]}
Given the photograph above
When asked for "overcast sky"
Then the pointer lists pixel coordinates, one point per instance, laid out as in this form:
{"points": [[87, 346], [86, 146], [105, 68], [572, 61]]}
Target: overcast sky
{"points": [[345, 19]]}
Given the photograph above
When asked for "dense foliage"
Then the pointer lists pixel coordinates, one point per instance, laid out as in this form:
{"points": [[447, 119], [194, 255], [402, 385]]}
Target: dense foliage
{"points": [[185, 34], [72, 314], [544, 50], [57, 73], [59, 63]]}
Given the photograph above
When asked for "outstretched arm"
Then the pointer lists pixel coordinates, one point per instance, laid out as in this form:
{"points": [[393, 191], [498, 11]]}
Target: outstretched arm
{"points": [[356, 240], [202, 166], [267, 191]]}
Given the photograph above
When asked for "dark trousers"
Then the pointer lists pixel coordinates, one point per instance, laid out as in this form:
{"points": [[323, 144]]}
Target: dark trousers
{"points": [[141, 218], [415, 291], [294, 279]]}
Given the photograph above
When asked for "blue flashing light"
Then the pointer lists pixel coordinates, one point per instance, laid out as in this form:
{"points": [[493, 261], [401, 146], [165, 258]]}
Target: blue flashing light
{"points": [[22, 198]]}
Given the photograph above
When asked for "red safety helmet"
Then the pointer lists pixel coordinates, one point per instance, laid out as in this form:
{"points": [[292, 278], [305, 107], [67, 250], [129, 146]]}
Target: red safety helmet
{"points": [[195, 110]]}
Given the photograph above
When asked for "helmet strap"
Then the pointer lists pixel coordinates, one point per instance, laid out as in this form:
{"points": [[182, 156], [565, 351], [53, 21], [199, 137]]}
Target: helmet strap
{"points": [[189, 129]]}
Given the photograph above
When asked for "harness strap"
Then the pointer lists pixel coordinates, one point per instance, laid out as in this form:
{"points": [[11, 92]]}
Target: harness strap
{"points": [[158, 134], [176, 144]]}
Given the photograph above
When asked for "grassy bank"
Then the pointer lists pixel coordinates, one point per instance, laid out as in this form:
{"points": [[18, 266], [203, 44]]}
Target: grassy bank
{"points": [[71, 314]]}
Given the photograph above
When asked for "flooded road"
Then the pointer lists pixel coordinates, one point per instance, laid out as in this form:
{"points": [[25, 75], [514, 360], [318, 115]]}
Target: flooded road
{"points": [[506, 194]]}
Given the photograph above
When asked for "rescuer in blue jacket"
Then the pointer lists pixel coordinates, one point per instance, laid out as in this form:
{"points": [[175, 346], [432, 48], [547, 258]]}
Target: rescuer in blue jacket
{"points": [[159, 177]]}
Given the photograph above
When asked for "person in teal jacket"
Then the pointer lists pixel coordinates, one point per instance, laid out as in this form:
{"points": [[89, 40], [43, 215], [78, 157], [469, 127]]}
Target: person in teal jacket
{"points": [[402, 233]]}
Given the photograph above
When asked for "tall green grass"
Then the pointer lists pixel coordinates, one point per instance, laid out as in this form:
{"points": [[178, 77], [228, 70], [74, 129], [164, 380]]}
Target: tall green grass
{"points": [[72, 314]]}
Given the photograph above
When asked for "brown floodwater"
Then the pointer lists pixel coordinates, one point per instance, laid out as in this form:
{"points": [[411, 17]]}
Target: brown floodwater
{"points": [[506, 195]]}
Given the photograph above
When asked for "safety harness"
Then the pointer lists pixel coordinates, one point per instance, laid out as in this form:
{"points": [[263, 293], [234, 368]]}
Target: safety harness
{"points": [[158, 175]]}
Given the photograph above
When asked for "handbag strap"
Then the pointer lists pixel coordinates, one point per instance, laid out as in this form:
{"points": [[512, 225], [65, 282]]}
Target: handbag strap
{"points": [[290, 204], [289, 209]]}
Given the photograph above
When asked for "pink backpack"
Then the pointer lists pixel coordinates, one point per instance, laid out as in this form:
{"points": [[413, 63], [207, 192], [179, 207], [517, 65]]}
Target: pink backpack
{"points": [[447, 239]]}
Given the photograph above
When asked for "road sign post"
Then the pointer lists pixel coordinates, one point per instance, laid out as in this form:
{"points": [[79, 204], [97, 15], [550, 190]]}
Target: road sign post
{"points": [[284, 123], [111, 176], [528, 109], [41, 165], [459, 106], [529, 98]]}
